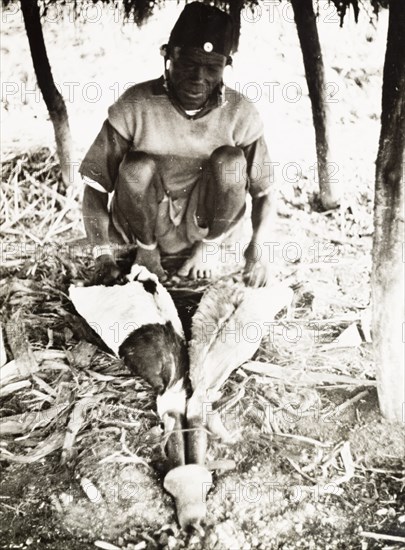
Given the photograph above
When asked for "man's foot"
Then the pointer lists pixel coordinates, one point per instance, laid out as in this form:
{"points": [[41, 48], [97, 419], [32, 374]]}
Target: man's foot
{"points": [[151, 260], [204, 261]]}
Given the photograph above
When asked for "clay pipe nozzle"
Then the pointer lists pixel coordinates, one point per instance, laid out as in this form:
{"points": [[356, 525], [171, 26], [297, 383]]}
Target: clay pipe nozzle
{"points": [[189, 486]]}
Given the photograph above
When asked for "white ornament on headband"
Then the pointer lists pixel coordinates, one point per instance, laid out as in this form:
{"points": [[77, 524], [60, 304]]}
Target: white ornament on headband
{"points": [[208, 47]]}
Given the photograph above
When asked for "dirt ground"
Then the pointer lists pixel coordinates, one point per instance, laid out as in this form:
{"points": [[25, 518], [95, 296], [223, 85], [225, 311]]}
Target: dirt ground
{"points": [[332, 475]]}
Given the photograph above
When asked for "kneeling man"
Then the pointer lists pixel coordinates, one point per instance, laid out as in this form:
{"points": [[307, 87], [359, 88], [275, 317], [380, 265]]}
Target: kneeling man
{"points": [[178, 155]]}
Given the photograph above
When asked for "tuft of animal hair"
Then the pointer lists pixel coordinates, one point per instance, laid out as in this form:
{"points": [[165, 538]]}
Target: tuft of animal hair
{"points": [[221, 341], [216, 307], [141, 301]]}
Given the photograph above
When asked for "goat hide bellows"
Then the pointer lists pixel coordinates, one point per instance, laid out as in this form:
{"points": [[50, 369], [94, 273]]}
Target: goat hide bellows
{"points": [[227, 330], [139, 322]]}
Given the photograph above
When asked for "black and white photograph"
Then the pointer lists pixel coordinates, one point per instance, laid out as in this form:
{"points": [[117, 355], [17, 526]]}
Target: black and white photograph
{"points": [[202, 273]]}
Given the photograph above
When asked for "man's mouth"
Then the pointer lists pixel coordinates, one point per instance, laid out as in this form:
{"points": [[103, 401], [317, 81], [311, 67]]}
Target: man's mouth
{"points": [[193, 92]]}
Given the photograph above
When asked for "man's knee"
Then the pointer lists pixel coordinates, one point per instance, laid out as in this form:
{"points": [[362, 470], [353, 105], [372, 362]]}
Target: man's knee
{"points": [[227, 154], [136, 170], [229, 165]]}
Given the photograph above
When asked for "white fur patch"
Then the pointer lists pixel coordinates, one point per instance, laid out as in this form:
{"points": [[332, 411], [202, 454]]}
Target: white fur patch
{"points": [[172, 400], [163, 300], [116, 311]]}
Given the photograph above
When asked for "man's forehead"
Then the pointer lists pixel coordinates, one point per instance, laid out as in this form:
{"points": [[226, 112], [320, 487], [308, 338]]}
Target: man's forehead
{"points": [[198, 56]]}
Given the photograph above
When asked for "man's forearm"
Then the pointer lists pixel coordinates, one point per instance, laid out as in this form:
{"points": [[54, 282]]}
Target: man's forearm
{"points": [[95, 216], [263, 217]]}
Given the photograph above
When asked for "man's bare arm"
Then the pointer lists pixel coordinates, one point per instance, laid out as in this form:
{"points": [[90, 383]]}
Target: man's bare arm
{"points": [[95, 216], [257, 268], [263, 217], [96, 221]]}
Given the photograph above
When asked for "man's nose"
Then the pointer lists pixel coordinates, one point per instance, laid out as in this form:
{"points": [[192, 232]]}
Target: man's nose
{"points": [[198, 73]]}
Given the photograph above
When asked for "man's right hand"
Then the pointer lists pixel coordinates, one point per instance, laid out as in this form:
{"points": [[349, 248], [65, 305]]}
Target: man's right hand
{"points": [[106, 271]]}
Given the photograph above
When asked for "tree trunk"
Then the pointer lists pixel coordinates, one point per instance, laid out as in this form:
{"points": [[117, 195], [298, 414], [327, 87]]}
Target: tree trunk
{"points": [[53, 99], [304, 17], [388, 262], [235, 8]]}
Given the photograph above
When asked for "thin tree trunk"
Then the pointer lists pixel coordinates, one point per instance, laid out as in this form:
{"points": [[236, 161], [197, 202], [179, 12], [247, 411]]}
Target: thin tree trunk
{"points": [[53, 99], [235, 8], [305, 21], [388, 262]]}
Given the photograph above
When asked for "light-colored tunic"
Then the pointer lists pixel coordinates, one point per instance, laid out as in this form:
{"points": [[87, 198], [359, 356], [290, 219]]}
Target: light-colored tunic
{"points": [[145, 119]]}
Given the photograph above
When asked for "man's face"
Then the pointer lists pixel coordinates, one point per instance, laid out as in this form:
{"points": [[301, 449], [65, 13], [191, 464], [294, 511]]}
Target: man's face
{"points": [[194, 75]]}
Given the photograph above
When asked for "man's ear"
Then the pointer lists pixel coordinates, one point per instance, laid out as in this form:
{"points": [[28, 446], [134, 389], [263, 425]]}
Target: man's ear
{"points": [[165, 52], [229, 60]]}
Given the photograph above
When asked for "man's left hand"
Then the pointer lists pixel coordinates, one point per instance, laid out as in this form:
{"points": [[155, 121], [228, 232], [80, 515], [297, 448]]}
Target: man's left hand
{"points": [[256, 272]]}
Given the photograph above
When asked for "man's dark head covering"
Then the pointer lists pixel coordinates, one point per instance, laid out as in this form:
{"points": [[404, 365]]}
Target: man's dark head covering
{"points": [[205, 27]]}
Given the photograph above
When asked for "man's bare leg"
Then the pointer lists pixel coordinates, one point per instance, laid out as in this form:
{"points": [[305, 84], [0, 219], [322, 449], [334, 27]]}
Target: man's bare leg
{"points": [[137, 200], [222, 200]]}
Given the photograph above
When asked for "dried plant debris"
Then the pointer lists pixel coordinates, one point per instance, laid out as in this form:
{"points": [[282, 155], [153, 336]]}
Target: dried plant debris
{"points": [[301, 418], [34, 203]]}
